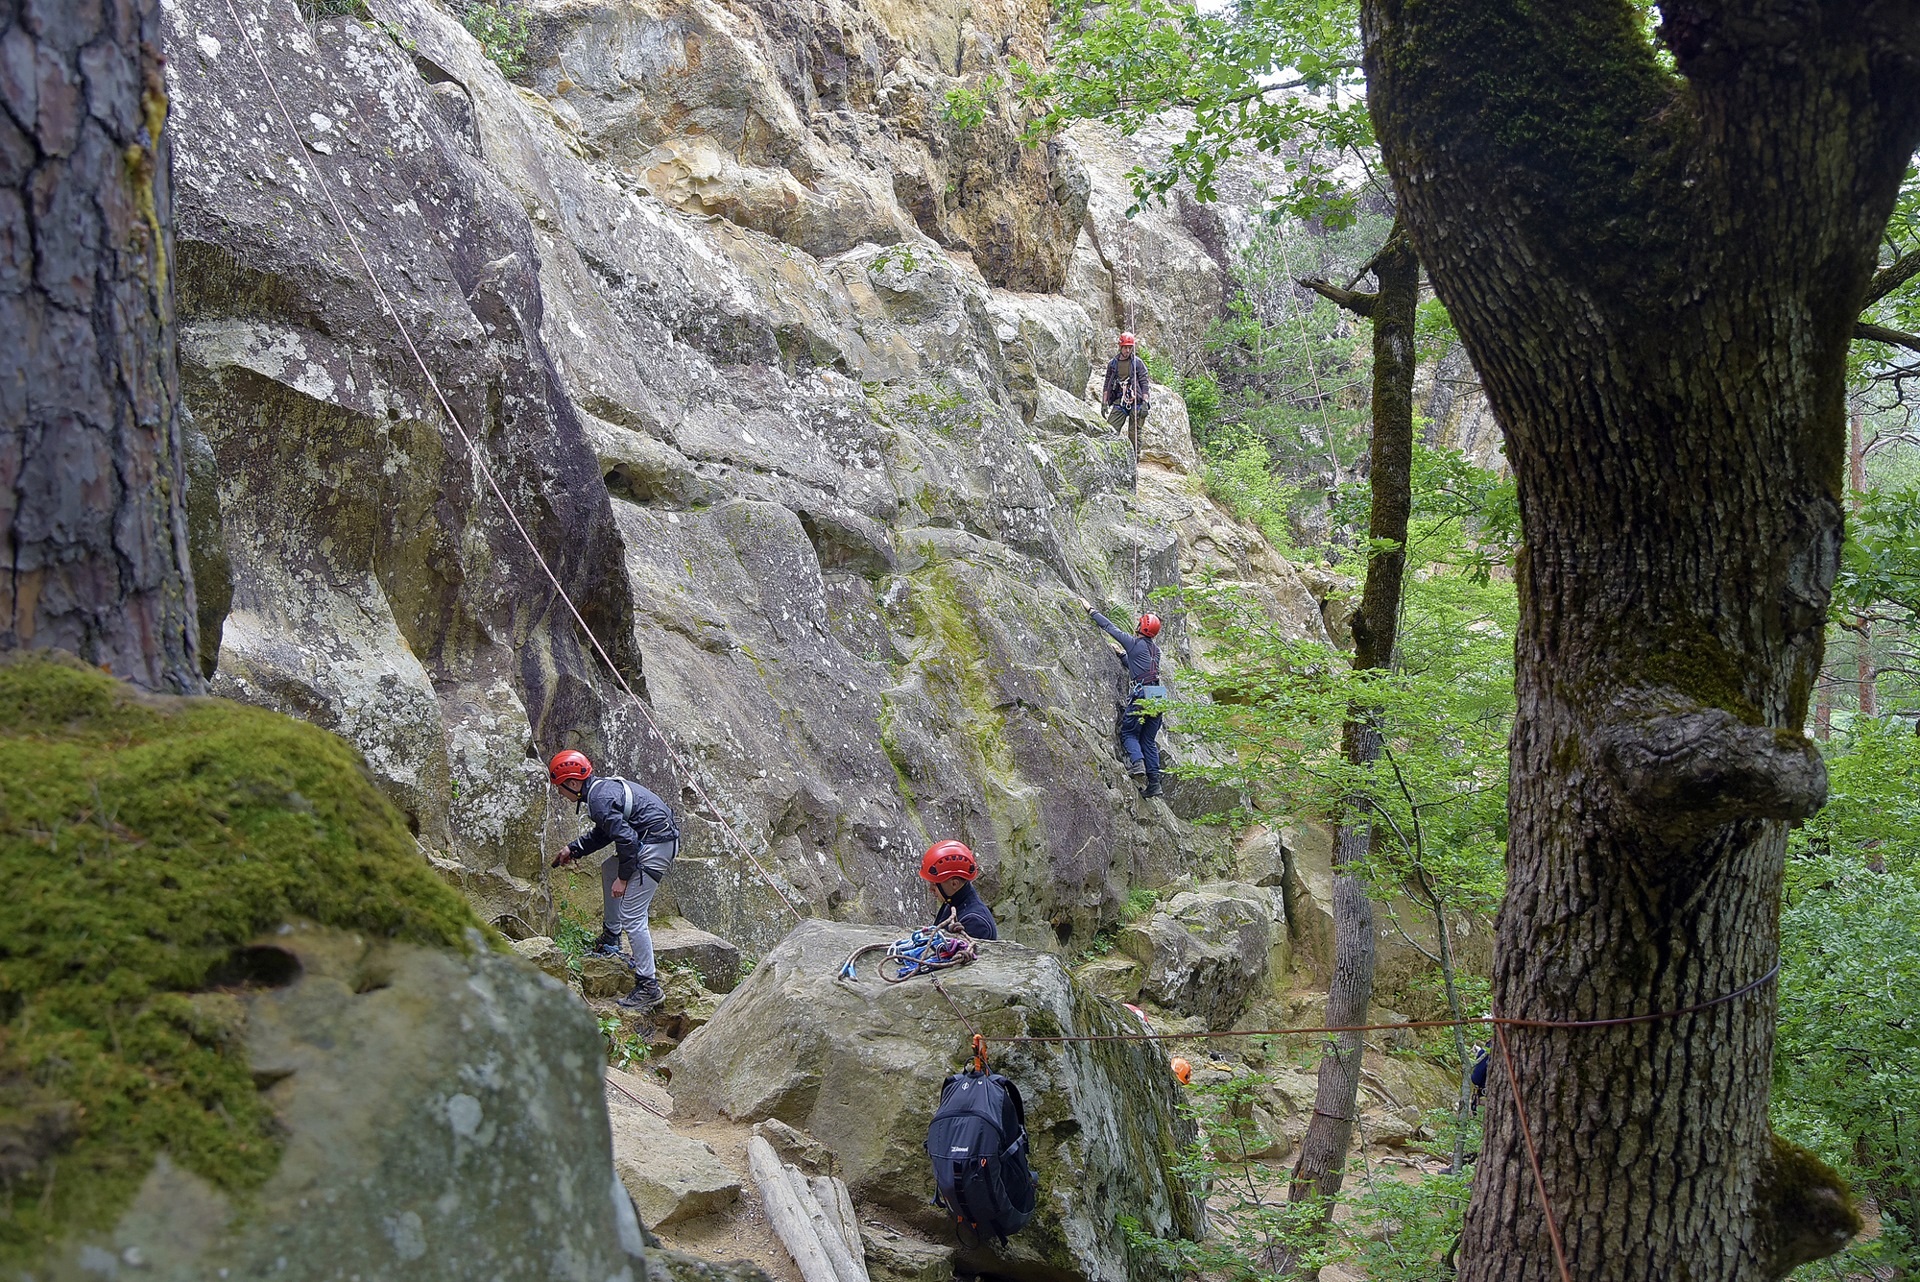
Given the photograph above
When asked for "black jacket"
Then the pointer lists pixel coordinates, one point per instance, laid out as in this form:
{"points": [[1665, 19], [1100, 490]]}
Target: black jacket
{"points": [[971, 912], [647, 823], [1142, 655], [1117, 382]]}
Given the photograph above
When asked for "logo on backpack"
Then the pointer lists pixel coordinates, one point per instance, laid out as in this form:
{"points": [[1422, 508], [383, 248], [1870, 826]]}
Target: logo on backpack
{"points": [[978, 1144]]}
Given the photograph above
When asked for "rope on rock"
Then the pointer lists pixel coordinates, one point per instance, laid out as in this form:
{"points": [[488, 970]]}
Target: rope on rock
{"points": [[480, 463]]}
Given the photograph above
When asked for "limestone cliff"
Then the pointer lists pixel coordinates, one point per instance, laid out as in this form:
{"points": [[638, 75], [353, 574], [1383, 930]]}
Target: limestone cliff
{"points": [[755, 331]]}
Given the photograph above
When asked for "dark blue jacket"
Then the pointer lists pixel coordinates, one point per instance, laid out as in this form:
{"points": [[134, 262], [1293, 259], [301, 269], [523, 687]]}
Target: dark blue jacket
{"points": [[646, 823], [1121, 384], [1143, 656], [971, 912]]}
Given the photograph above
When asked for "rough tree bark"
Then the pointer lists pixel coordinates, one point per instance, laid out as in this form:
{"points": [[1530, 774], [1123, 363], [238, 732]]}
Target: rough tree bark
{"points": [[1323, 1150], [1656, 275], [93, 551]]}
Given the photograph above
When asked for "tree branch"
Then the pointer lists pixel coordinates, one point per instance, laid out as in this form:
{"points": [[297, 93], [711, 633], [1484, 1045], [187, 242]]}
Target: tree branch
{"points": [[1881, 334], [1358, 303], [1891, 277]]}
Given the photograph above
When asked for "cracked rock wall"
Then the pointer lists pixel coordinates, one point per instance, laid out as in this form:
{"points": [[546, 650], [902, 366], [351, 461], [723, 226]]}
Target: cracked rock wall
{"points": [[783, 369]]}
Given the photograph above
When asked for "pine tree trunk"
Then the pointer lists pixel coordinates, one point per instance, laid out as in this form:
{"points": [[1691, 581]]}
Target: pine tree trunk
{"points": [[1656, 276], [1323, 1150], [93, 558]]}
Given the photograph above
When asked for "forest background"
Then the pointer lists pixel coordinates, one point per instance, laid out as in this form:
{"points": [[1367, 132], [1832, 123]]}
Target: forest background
{"points": [[1279, 397]]}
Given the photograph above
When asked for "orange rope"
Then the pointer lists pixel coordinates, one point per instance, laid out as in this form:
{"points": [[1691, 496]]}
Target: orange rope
{"points": [[1533, 1156]]}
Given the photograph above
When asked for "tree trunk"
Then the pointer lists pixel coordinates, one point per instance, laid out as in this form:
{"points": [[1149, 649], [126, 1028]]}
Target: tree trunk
{"points": [[91, 508], [1323, 1150], [1656, 275]]}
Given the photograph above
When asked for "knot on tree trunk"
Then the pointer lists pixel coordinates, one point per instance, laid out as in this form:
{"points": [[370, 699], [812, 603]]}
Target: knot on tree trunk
{"points": [[1689, 770], [1804, 1210]]}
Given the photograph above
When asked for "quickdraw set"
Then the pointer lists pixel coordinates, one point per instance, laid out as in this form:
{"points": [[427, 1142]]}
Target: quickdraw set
{"points": [[921, 953]]}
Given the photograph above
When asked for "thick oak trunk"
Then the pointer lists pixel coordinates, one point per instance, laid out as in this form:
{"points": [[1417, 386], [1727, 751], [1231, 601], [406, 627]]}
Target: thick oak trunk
{"points": [[1656, 276], [1323, 1150], [93, 552]]}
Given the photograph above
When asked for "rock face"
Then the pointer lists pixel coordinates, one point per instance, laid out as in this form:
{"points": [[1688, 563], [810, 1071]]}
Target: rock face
{"points": [[445, 1123], [1209, 951], [670, 1176], [772, 407], [858, 1066]]}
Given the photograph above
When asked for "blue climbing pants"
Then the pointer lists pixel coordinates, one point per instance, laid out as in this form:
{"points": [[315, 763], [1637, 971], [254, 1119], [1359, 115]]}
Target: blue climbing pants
{"points": [[1137, 734]]}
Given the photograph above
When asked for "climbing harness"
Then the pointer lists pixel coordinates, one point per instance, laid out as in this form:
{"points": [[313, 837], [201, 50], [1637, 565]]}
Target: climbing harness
{"points": [[480, 464], [921, 953]]}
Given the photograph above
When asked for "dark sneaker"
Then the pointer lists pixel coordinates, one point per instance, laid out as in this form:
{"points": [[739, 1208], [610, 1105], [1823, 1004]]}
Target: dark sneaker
{"points": [[1153, 784], [1138, 769], [605, 944], [646, 994]]}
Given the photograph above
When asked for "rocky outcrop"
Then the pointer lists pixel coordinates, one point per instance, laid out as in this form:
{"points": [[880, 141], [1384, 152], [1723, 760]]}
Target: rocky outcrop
{"points": [[858, 1066], [1210, 951], [442, 1123], [821, 481]]}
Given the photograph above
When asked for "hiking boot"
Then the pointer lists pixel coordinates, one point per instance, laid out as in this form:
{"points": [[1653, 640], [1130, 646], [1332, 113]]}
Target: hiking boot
{"points": [[1153, 784], [1138, 769], [646, 994], [605, 944]]}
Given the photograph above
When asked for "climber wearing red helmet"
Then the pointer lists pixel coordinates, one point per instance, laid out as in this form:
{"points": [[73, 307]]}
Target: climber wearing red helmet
{"points": [[1140, 658], [644, 837], [1124, 397], [950, 867]]}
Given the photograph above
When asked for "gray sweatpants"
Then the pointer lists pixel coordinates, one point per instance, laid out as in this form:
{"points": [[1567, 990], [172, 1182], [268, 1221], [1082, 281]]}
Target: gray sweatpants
{"points": [[629, 911]]}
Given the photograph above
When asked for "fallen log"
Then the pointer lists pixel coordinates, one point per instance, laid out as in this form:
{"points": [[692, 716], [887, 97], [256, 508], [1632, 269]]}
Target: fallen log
{"points": [[791, 1219]]}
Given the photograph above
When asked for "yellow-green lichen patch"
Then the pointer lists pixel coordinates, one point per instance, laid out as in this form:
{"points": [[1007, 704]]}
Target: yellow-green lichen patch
{"points": [[143, 841]]}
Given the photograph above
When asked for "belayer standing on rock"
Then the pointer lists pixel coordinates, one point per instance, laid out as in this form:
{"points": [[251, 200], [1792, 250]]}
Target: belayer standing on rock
{"points": [[951, 868], [644, 837], [1138, 728], [1124, 397]]}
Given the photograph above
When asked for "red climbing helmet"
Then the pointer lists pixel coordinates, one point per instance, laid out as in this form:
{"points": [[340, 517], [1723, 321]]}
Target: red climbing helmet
{"points": [[1126, 340], [946, 859], [569, 765], [1149, 625]]}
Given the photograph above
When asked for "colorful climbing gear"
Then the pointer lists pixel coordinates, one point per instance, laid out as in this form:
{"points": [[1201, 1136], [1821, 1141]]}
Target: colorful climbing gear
{"points": [[921, 953]]}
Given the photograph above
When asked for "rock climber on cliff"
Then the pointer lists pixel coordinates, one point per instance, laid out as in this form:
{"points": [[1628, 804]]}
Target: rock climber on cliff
{"points": [[644, 837], [1138, 728], [950, 867], [1124, 396]]}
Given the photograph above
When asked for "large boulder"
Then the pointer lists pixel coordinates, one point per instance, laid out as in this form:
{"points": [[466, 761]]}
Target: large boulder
{"points": [[1208, 951], [258, 1034], [858, 1065]]}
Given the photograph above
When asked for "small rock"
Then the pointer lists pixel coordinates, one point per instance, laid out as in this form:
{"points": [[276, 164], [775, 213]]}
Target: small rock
{"points": [[605, 977], [893, 1256], [1117, 977], [669, 1176], [716, 961], [545, 954]]}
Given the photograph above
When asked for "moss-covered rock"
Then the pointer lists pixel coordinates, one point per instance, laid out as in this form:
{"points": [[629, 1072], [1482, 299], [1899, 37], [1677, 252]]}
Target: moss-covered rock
{"points": [[145, 843]]}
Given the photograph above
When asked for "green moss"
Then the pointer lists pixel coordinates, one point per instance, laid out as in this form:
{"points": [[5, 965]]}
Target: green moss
{"points": [[1697, 665], [143, 840], [958, 662]]}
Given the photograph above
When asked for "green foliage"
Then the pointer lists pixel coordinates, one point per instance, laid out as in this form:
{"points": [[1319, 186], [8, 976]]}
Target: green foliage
{"points": [[315, 9], [574, 934], [1278, 76], [1397, 1232], [967, 107], [142, 841], [501, 28], [624, 1049], [1439, 789]]}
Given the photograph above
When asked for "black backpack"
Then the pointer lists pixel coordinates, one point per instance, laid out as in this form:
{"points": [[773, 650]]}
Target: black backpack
{"points": [[978, 1143]]}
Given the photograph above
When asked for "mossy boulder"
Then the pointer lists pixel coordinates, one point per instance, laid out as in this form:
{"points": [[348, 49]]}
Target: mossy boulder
{"points": [[242, 1014]]}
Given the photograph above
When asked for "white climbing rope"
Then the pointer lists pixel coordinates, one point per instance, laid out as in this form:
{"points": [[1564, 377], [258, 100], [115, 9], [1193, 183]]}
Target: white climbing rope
{"points": [[480, 463]]}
